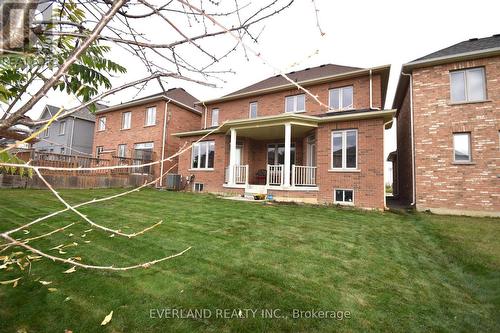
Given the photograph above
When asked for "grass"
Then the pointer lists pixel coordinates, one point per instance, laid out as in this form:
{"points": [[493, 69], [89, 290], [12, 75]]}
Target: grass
{"points": [[392, 272]]}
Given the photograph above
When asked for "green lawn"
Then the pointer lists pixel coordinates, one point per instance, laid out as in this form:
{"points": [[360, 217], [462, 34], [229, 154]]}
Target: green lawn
{"points": [[392, 272]]}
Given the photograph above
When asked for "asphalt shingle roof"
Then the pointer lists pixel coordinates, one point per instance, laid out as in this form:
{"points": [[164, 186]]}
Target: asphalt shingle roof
{"points": [[302, 75], [471, 45]]}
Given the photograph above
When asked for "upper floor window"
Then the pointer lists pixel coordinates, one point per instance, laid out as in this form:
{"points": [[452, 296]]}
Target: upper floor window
{"points": [[341, 98], [101, 124], [345, 149], [62, 127], [215, 117], [150, 116], [468, 85], [296, 103], [46, 132], [253, 110], [203, 155], [461, 147], [126, 120]]}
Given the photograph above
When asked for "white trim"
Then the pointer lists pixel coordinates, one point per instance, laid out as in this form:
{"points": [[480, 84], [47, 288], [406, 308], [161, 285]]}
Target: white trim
{"points": [[62, 125], [99, 129], [469, 141], [124, 122], [347, 203], [250, 110], [146, 119], [344, 167], [216, 122], [197, 147]]}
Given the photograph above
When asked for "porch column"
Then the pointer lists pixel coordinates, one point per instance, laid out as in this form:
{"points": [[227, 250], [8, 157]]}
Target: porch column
{"points": [[288, 146], [232, 156]]}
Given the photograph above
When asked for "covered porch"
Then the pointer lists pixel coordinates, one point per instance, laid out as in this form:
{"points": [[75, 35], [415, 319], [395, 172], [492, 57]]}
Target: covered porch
{"points": [[277, 155]]}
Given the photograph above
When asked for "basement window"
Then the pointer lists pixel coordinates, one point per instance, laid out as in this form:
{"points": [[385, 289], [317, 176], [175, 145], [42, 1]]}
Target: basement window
{"points": [[343, 196], [198, 187]]}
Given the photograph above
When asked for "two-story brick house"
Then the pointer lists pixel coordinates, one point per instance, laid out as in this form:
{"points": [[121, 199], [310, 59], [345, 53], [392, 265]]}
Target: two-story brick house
{"points": [[448, 124], [275, 139], [140, 130]]}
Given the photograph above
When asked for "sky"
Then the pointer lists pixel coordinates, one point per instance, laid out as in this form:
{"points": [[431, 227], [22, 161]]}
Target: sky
{"points": [[357, 33]]}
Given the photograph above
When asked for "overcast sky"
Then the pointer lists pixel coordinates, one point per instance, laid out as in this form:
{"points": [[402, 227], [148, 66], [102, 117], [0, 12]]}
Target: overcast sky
{"points": [[358, 33]]}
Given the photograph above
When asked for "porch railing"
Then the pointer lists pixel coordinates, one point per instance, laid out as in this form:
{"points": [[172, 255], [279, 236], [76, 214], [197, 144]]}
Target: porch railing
{"points": [[275, 174], [240, 174], [303, 175]]}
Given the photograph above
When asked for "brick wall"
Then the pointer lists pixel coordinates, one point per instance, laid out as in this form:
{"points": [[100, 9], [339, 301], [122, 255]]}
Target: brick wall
{"points": [[441, 184], [274, 103], [180, 120]]}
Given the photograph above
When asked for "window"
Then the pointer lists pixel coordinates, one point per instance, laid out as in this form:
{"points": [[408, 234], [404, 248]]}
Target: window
{"points": [[276, 153], [126, 120], [215, 117], [461, 147], [102, 124], [198, 187], [122, 150], [62, 127], [203, 155], [150, 116], [341, 98], [468, 85], [295, 103], [253, 110], [98, 151], [342, 196], [344, 149], [46, 132], [61, 150]]}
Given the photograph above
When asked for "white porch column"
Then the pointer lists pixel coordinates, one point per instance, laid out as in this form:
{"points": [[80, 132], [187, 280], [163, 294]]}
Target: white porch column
{"points": [[232, 156], [288, 146]]}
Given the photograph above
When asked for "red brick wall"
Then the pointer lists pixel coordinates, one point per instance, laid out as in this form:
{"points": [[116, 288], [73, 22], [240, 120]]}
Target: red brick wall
{"points": [[180, 120], [440, 182], [274, 103]]}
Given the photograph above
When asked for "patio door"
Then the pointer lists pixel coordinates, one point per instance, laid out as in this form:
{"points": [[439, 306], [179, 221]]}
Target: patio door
{"points": [[276, 154]]}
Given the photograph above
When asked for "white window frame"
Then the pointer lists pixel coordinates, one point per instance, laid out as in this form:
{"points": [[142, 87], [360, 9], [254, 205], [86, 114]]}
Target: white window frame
{"points": [[344, 150], [129, 120], [46, 132], [214, 120], [150, 119], [250, 110], [197, 184], [62, 127], [347, 203], [124, 150], [341, 98], [197, 148], [468, 134], [101, 126], [466, 85], [99, 150], [295, 97]]}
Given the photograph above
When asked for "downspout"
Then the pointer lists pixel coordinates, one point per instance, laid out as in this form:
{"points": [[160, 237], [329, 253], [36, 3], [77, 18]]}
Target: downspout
{"points": [[206, 114], [383, 187], [414, 190], [371, 93], [164, 135], [72, 136]]}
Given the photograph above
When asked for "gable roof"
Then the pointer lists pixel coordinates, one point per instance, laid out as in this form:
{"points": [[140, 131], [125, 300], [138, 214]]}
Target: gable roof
{"points": [[84, 113], [308, 76], [466, 50], [178, 96]]}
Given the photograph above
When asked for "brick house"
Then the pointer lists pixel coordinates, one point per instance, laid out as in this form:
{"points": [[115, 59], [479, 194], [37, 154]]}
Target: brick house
{"points": [[274, 139], [448, 126], [139, 130]]}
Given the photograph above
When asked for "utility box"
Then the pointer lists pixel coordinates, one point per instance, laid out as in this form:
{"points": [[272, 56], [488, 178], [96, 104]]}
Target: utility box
{"points": [[173, 182]]}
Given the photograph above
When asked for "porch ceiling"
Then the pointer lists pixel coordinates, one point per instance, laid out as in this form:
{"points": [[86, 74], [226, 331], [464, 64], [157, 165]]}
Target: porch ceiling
{"points": [[271, 132]]}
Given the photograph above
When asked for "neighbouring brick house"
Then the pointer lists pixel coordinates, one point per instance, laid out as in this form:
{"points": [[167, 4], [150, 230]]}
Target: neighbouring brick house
{"points": [[448, 124], [274, 139], [140, 130]]}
